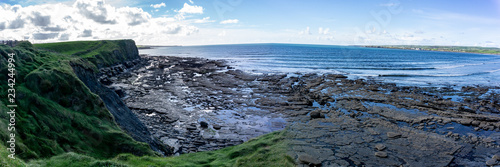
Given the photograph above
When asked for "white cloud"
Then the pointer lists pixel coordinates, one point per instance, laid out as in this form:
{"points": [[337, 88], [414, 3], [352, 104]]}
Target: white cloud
{"points": [[191, 1], [389, 4], [156, 6], [191, 9], [97, 11], [322, 31], [222, 34], [89, 19], [40, 20], [204, 20], [305, 32], [134, 16], [86, 33], [230, 21]]}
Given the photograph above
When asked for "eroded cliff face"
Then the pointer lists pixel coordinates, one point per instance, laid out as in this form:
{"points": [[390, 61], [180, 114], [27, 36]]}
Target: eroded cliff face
{"points": [[58, 107], [122, 115], [127, 54]]}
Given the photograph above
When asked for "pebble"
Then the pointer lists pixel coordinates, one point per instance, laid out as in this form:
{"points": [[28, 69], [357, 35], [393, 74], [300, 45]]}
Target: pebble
{"points": [[217, 127], [380, 147], [491, 162], [496, 157], [381, 154]]}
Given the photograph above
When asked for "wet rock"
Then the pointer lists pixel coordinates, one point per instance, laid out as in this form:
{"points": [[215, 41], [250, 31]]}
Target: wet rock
{"points": [[475, 123], [393, 135], [191, 128], [380, 147], [204, 124], [217, 127], [488, 140], [120, 92], [316, 114], [491, 162], [105, 81], [307, 159], [381, 154], [496, 157], [335, 76]]}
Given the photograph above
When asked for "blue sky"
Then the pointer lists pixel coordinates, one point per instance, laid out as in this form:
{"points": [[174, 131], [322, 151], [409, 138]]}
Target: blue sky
{"points": [[196, 22]]}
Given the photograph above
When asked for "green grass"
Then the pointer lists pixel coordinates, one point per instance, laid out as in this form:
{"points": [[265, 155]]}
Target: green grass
{"points": [[70, 48], [268, 150], [5, 161], [56, 112]]}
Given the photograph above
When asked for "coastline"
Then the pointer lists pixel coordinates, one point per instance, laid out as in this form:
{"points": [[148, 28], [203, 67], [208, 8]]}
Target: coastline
{"points": [[329, 117], [495, 51]]}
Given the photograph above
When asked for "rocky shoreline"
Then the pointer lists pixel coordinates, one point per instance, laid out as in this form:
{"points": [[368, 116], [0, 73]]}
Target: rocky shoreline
{"points": [[194, 104]]}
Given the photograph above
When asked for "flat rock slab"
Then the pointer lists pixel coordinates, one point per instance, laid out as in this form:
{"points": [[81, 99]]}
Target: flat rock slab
{"points": [[381, 154], [307, 159]]}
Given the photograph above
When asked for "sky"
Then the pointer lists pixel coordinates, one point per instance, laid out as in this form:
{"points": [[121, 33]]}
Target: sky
{"points": [[205, 22]]}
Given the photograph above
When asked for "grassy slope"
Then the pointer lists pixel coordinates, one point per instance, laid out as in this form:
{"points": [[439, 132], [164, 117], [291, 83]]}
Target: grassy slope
{"points": [[268, 150], [98, 52], [56, 112]]}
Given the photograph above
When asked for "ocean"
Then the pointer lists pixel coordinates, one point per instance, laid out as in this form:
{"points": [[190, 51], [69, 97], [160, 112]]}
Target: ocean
{"points": [[403, 67]]}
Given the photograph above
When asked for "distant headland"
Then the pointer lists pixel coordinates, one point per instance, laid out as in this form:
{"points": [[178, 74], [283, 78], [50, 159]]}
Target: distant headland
{"points": [[465, 49]]}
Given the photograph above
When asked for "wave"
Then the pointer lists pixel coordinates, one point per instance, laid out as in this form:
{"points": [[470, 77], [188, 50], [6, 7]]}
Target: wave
{"points": [[384, 68], [465, 65], [271, 65], [437, 75]]}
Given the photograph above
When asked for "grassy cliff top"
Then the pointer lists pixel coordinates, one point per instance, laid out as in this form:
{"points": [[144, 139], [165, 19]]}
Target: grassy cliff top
{"points": [[101, 53]]}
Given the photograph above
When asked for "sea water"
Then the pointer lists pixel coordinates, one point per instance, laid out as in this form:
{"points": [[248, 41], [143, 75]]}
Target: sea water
{"points": [[403, 67]]}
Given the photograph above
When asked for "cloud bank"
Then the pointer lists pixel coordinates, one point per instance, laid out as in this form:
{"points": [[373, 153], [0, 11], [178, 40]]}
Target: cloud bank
{"points": [[90, 19]]}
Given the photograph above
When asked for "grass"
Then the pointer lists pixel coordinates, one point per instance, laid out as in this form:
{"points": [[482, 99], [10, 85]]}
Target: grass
{"points": [[5, 161], [101, 53], [70, 48], [267, 150], [56, 112]]}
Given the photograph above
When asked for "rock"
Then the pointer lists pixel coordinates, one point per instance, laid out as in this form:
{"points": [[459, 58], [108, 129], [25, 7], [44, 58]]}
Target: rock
{"points": [[393, 135], [381, 154], [307, 159], [119, 92], [316, 114], [491, 162], [336, 76], [204, 124], [191, 128], [489, 140], [496, 157], [105, 81], [380, 147], [217, 127], [475, 123]]}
